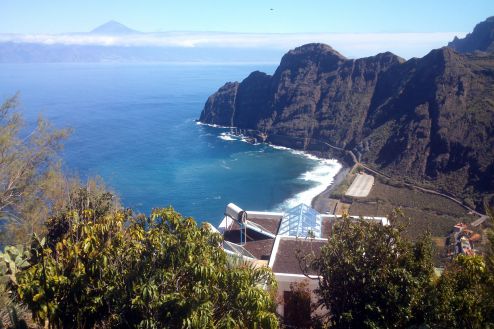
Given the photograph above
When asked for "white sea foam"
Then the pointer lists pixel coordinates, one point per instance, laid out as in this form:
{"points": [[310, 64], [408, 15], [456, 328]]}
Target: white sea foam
{"points": [[227, 137], [244, 139], [301, 153], [322, 175], [199, 123], [277, 147]]}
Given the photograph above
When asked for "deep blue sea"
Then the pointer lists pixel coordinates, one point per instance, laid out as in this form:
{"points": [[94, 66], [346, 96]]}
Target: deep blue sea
{"points": [[134, 125]]}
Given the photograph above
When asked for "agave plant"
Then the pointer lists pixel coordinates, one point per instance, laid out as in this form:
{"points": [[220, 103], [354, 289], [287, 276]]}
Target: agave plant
{"points": [[12, 260]]}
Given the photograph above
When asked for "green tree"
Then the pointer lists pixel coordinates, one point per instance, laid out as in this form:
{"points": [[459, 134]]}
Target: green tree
{"points": [[33, 187], [29, 173], [463, 295], [371, 277], [162, 271]]}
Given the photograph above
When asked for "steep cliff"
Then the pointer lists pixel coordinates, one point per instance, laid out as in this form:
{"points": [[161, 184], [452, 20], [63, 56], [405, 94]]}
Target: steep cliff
{"points": [[481, 39], [433, 120], [220, 107], [429, 120]]}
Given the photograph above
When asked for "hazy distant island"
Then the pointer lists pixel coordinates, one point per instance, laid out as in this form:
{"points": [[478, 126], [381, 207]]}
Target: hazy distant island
{"points": [[116, 43], [427, 121], [113, 42]]}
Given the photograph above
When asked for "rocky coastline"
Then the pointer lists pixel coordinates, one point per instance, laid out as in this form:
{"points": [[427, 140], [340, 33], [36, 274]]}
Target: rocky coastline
{"points": [[426, 121]]}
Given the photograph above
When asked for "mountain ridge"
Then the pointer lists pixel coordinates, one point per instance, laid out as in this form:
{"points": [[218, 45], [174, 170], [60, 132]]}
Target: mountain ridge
{"points": [[429, 120], [480, 39]]}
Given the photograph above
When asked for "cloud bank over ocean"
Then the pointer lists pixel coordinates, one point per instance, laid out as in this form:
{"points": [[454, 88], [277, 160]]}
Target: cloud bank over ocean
{"points": [[352, 45]]}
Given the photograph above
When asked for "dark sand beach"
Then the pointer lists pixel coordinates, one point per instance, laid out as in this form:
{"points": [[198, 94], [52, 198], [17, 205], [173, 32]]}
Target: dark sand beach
{"points": [[321, 201]]}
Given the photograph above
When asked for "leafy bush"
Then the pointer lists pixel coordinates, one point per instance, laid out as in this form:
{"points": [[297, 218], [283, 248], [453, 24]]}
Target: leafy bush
{"points": [[161, 271], [371, 277]]}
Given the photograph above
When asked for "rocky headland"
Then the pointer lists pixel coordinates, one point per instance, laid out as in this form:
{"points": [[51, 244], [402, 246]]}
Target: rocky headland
{"points": [[429, 121]]}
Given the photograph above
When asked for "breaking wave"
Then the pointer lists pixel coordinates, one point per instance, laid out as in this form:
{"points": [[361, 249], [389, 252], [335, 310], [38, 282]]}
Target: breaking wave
{"points": [[320, 177]]}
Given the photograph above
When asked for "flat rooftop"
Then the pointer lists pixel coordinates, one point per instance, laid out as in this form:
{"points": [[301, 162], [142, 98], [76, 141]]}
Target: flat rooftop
{"points": [[285, 260], [279, 237]]}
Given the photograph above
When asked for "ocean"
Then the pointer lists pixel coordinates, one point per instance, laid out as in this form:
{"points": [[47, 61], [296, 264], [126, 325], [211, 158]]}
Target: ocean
{"points": [[134, 126]]}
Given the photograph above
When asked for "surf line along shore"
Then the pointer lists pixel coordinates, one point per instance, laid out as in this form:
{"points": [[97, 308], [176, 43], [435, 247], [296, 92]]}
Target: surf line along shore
{"points": [[321, 200]]}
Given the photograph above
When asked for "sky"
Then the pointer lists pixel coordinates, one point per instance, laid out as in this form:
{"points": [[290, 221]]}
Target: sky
{"points": [[405, 25]]}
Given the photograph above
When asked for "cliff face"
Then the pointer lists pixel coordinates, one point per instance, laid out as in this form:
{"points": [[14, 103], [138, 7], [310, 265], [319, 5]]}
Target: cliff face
{"points": [[430, 120], [433, 120], [220, 107], [481, 39], [315, 96]]}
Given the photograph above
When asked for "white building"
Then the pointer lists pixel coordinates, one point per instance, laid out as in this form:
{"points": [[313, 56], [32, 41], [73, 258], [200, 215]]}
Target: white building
{"points": [[274, 238]]}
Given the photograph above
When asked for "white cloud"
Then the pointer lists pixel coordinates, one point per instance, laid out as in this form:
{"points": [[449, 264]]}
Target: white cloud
{"points": [[349, 44]]}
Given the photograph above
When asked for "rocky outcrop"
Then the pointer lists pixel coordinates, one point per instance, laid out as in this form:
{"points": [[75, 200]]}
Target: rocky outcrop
{"points": [[220, 107], [428, 120], [481, 39]]}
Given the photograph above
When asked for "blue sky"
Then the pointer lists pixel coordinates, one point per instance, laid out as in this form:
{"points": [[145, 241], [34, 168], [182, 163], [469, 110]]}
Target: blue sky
{"points": [[57, 16], [355, 28]]}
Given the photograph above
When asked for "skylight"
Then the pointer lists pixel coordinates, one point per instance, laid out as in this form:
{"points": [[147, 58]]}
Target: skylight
{"points": [[301, 221], [233, 248]]}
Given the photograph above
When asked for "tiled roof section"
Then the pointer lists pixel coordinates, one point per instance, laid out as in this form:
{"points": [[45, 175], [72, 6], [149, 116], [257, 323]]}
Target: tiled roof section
{"points": [[261, 249], [286, 258], [270, 224], [257, 244]]}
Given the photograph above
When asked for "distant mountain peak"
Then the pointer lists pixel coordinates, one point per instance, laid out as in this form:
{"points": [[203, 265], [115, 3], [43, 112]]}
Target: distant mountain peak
{"points": [[113, 27], [317, 53], [320, 48]]}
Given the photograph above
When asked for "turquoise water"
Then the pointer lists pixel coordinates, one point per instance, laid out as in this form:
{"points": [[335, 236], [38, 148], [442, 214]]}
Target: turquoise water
{"points": [[134, 125]]}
